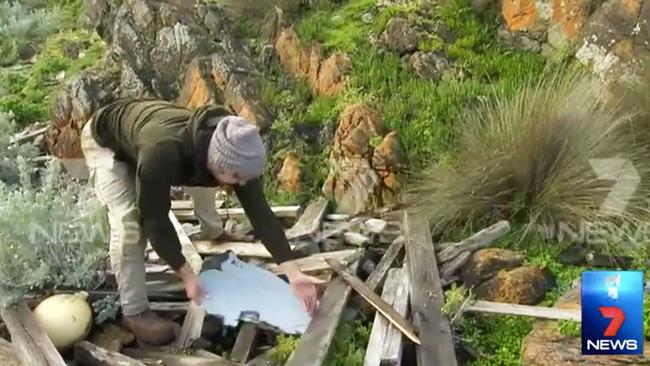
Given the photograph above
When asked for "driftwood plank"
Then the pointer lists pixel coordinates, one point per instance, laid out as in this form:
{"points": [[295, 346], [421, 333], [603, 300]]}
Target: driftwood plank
{"points": [[238, 213], [380, 324], [451, 267], [426, 295], [524, 310], [314, 344], [8, 354], [29, 339], [169, 306], [377, 302], [244, 343], [310, 220], [88, 354], [189, 204], [477, 241], [317, 262], [240, 249], [377, 276], [171, 359], [193, 323], [392, 351]]}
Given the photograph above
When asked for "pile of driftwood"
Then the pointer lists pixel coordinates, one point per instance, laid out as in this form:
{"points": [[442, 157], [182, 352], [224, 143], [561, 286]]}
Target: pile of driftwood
{"points": [[388, 262]]}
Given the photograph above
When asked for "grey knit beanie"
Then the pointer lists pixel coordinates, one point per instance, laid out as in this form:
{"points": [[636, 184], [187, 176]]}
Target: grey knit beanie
{"points": [[237, 146]]}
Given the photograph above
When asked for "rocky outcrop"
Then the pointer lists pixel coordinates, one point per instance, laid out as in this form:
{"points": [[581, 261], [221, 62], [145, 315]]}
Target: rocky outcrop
{"points": [[365, 162], [546, 346], [174, 50], [325, 76], [429, 65], [485, 263], [616, 38], [290, 173], [400, 36]]}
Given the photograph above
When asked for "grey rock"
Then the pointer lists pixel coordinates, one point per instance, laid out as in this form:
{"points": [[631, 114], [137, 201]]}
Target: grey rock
{"points": [[175, 49], [400, 35], [357, 239], [428, 65], [130, 83], [375, 226], [306, 248]]}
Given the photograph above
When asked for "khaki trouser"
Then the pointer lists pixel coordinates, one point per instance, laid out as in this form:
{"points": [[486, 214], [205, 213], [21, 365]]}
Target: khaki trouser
{"points": [[114, 185]]}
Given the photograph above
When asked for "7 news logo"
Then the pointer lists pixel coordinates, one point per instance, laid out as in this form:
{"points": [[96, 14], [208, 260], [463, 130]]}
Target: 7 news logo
{"points": [[612, 313]]}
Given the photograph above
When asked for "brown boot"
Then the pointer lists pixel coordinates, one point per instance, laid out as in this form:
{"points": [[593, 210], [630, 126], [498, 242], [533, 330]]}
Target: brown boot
{"points": [[149, 328]]}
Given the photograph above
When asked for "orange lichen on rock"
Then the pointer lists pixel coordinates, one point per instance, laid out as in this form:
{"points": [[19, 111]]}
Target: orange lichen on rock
{"points": [[519, 14]]}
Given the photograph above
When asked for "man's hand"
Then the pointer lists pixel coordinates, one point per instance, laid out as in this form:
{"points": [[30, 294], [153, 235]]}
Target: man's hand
{"points": [[193, 288], [303, 286]]}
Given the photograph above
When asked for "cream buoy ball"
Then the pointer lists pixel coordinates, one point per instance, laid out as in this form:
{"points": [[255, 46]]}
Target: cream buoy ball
{"points": [[65, 318]]}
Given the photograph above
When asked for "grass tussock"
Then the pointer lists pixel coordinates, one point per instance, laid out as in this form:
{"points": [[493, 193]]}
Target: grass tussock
{"points": [[530, 159]]}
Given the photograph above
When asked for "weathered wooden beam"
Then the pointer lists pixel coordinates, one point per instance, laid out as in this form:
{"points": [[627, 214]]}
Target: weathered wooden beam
{"points": [[477, 241], [169, 306], [245, 343], [171, 359], [8, 353], [314, 344], [377, 276], [317, 262], [240, 249], [482, 306], [32, 345], [391, 354], [377, 302], [426, 295], [88, 354], [238, 213], [193, 323], [181, 205], [310, 220], [380, 324]]}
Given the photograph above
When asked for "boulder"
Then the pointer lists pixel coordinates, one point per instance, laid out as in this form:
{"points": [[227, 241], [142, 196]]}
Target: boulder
{"points": [[73, 106], [112, 337], [546, 346], [365, 162], [400, 35], [525, 285], [290, 173], [485, 263], [174, 50], [325, 76]]}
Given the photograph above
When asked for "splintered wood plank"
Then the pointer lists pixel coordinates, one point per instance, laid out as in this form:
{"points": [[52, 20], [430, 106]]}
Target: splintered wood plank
{"points": [[245, 343], [377, 276], [482, 306], [426, 295], [377, 302], [448, 269], [29, 339], [88, 354], [189, 204], [380, 324], [317, 262], [193, 323], [314, 344], [169, 306], [477, 241], [310, 220], [392, 351], [240, 249]]}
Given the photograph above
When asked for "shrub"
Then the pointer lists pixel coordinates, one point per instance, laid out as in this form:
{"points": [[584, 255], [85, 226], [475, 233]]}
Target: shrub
{"points": [[528, 159], [21, 27], [9, 153], [51, 235]]}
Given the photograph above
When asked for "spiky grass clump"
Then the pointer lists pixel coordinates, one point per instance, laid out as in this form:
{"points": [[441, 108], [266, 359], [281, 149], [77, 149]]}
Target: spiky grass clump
{"points": [[529, 159]]}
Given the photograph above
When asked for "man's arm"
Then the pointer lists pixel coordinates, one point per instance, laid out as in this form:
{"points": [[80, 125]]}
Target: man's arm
{"points": [[155, 171], [266, 225]]}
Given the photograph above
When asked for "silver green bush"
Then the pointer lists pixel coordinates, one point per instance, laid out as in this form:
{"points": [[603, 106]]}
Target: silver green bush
{"points": [[21, 26], [51, 235], [10, 152]]}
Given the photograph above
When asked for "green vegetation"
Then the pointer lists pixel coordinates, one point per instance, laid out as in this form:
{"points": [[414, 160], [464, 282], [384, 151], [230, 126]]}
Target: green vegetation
{"points": [[9, 152], [27, 89]]}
